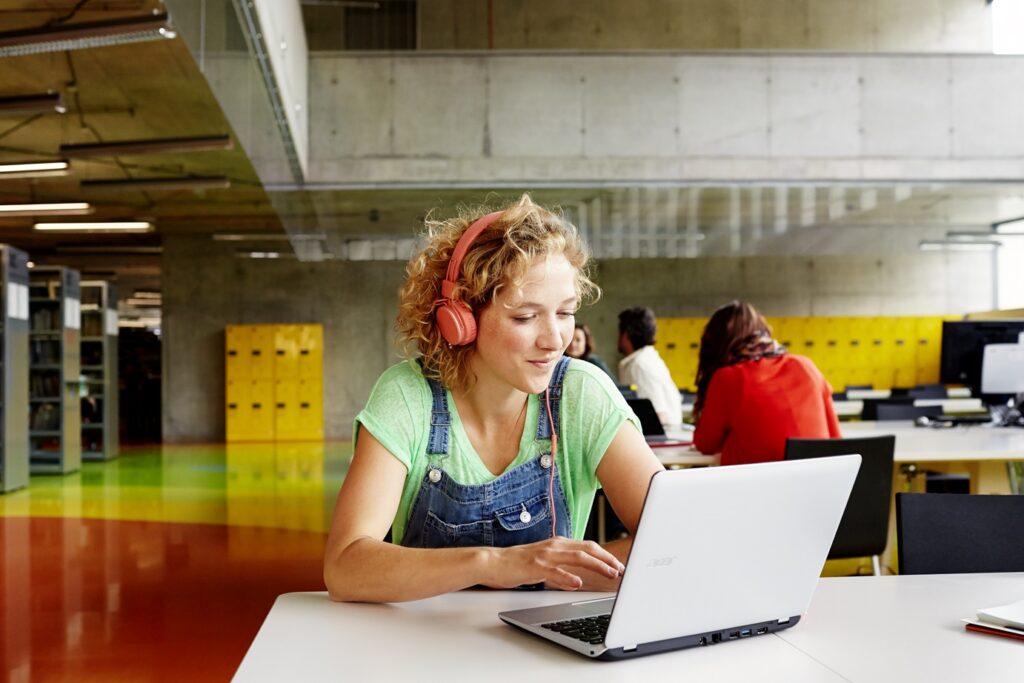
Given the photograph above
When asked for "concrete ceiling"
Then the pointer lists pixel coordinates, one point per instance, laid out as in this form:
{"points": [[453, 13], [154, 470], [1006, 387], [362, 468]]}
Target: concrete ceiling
{"points": [[138, 91]]}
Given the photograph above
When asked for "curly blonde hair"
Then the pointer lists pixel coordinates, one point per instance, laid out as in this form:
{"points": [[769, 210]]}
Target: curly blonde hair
{"points": [[500, 256]]}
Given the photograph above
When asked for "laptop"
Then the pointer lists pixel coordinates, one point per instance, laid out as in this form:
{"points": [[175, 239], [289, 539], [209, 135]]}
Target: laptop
{"points": [[720, 554], [650, 424]]}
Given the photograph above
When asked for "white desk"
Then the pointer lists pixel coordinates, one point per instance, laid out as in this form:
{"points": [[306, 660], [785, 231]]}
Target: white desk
{"points": [[903, 628], [983, 450]]}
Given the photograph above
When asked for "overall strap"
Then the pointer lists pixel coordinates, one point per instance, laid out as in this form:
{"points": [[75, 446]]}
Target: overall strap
{"points": [[440, 419], [555, 393]]}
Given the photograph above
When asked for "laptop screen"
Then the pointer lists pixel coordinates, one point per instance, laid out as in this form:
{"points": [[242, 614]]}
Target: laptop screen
{"points": [[649, 422]]}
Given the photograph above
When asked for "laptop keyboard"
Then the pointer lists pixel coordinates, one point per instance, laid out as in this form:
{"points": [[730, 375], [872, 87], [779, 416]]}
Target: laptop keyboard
{"points": [[590, 629]]}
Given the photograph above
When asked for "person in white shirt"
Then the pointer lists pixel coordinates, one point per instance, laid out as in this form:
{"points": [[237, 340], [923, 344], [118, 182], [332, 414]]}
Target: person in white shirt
{"points": [[644, 368]]}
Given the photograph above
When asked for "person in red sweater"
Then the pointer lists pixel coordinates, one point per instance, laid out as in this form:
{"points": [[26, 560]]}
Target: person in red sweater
{"points": [[751, 394]]}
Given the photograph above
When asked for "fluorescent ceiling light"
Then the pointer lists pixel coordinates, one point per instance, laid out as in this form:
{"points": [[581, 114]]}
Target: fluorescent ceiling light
{"points": [[958, 245], [146, 294], [53, 209], [150, 303], [32, 104], [86, 35], [121, 226], [30, 169], [265, 255], [186, 183], [125, 147], [267, 237]]}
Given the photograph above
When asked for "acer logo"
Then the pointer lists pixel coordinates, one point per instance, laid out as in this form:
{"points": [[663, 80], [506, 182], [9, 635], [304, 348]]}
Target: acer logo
{"points": [[661, 561]]}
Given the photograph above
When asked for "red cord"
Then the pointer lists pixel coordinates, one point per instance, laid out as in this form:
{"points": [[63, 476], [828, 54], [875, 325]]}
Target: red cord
{"points": [[554, 452]]}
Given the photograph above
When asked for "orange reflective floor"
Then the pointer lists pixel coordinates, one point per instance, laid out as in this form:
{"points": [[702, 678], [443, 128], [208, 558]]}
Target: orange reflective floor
{"points": [[162, 564]]}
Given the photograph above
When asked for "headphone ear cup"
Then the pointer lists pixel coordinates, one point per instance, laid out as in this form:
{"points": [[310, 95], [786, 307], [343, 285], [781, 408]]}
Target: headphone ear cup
{"points": [[456, 322]]}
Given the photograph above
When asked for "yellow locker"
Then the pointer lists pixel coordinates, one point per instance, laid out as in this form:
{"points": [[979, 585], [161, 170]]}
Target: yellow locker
{"points": [[286, 351], [236, 343], [311, 351], [286, 409], [261, 402], [904, 353], [929, 349], [311, 410], [261, 352], [237, 411]]}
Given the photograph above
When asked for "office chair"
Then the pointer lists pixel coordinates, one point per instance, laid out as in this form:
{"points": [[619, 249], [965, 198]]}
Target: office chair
{"points": [[900, 411], [952, 533], [870, 409], [929, 391], [864, 528]]}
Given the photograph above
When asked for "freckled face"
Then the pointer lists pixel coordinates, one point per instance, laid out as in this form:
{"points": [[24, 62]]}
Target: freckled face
{"points": [[523, 332], [578, 344]]}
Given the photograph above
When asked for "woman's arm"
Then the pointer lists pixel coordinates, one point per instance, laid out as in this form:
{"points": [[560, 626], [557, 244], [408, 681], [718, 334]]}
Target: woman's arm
{"points": [[360, 566], [625, 473]]}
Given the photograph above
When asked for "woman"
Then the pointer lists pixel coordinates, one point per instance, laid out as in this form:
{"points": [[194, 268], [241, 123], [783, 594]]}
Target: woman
{"points": [[582, 347], [453, 451], [751, 394]]}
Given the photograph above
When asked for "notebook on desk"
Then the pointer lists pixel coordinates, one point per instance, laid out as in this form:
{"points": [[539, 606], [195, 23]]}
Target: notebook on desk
{"points": [[650, 425], [720, 554]]}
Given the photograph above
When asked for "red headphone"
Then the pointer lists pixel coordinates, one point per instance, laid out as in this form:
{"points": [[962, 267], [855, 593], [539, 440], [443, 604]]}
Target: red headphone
{"points": [[454, 318]]}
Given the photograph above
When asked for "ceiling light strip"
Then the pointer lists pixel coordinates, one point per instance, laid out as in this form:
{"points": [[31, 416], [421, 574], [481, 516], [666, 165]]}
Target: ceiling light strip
{"points": [[193, 144], [121, 226], [85, 35], [23, 169], [51, 209]]}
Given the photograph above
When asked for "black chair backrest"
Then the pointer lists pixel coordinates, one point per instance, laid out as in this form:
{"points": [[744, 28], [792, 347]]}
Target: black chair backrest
{"points": [[929, 391], [953, 533], [649, 422], [906, 412], [864, 527], [870, 410]]}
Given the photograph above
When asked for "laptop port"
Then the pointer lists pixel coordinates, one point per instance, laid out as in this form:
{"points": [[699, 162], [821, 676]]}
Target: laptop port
{"points": [[734, 634], [703, 640], [744, 633], [762, 630], [716, 638]]}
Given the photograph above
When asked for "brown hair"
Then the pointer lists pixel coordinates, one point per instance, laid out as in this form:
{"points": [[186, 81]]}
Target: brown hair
{"points": [[499, 257], [729, 330]]}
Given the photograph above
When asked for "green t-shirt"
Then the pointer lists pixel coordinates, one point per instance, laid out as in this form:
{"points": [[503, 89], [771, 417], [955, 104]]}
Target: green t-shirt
{"points": [[398, 416]]}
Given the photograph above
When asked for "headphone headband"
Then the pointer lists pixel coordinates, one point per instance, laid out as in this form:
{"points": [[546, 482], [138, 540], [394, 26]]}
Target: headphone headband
{"points": [[463, 245], [454, 318]]}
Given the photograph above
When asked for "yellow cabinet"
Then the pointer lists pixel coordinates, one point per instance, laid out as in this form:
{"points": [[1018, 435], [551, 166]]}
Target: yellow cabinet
{"points": [[261, 352], [274, 383], [236, 361]]}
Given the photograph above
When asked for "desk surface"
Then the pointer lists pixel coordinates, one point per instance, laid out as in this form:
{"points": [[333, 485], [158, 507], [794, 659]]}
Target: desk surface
{"points": [[903, 628], [926, 444]]}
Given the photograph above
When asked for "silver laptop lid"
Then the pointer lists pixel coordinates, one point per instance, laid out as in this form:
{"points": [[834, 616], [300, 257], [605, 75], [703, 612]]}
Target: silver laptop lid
{"points": [[723, 546]]}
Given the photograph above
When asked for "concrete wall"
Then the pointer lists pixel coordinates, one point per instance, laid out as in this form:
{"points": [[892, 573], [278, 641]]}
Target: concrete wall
{"points": [[600, 118], [837, 25], [206, 287]]}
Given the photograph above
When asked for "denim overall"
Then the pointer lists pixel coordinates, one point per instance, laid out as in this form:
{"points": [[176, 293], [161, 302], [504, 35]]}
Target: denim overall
{"points": [[510, 510]]}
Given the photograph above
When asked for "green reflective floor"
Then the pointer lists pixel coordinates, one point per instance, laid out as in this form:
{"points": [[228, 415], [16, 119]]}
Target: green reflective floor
{"points": [[284, 485]]}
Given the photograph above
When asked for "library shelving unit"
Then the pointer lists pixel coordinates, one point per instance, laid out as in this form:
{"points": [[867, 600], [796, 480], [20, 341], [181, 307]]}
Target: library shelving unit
{"points": [[55, 432], [13, 368], [99, 370]]}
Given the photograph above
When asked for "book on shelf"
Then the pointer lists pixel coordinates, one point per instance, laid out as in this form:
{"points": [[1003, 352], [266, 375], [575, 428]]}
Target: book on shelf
{"points": [[1004, 620]]}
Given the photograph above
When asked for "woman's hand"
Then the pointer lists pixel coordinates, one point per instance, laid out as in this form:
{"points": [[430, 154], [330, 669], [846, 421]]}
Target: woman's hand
{"points": [[550, 562]]}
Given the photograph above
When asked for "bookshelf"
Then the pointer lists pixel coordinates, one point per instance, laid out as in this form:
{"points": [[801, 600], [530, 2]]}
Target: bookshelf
{"points": [[98, 394], [13, 368], [55, 444]]}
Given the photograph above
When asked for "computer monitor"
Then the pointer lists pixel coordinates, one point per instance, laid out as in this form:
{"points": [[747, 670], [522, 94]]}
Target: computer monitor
{"points": [[1002, 370], [964, 342]]}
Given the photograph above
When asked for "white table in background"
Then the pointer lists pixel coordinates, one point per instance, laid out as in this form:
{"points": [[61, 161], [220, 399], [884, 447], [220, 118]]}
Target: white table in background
{"points": [[902, 628], [982, 450]]}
